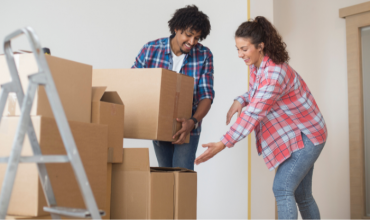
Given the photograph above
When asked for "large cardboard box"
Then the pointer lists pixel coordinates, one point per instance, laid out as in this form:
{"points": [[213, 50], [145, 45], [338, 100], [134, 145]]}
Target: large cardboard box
{"points": [[73, 81], [153, 99], [109, 191], [28, 197], [107, 109], [141, 192]]}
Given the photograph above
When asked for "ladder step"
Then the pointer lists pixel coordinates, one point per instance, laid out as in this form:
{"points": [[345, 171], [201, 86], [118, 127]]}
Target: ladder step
{"points": [[39, 159], [78, 213]]}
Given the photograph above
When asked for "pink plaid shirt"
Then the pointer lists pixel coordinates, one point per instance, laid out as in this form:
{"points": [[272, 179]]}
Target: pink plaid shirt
{"points": [[279, 107]]}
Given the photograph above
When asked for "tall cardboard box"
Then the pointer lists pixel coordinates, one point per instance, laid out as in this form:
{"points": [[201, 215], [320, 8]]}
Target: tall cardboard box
{"points": [[73, 81], [107, 109], [153, 99], [28, 197], [141, 192]]}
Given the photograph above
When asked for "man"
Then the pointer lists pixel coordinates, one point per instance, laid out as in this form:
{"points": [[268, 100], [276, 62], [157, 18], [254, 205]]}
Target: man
{"points": [[182, 53]]}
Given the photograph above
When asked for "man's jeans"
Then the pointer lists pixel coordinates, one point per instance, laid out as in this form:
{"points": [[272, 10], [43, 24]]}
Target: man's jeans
{"points": [[176, 155], [293, 183]]}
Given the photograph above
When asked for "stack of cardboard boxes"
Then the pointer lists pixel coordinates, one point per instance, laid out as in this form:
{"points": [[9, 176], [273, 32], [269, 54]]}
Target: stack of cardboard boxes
{"points": [[128, 103]]}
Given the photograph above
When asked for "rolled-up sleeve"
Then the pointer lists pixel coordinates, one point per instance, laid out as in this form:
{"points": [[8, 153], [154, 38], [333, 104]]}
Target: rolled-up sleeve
{"points": [[243, 99]]}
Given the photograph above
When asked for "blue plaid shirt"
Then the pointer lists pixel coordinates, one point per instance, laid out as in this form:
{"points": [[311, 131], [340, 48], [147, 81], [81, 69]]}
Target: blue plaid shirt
{"points": [[198, 63]]}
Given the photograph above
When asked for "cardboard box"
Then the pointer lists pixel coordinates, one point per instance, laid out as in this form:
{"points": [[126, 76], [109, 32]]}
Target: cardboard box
{"points": [[109, 191], [28, 197], [141, 192], [73, 81], [107, 109], [153, 99]]}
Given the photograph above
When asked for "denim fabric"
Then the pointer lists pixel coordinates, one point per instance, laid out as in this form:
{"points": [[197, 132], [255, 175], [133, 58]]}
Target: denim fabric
{"points": [[176, 155], [293, 183]]}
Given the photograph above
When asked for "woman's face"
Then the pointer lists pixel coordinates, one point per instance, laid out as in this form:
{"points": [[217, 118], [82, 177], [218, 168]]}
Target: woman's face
{"points": [[248, 52]]}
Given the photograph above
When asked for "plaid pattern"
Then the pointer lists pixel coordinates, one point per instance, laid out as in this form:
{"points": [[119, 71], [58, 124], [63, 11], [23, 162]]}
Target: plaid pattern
{"points": [[279, 107], [197, 64]]}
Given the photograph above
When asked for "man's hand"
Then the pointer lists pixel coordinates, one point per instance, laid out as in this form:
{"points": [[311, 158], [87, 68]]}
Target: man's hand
{"points": [[235, 107], [186, 126], [213, 149]]}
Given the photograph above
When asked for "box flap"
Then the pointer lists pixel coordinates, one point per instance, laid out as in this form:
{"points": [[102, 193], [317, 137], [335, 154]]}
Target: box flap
{"points": [[170, 169], [97, 93], [112, 97], [134, 159]]}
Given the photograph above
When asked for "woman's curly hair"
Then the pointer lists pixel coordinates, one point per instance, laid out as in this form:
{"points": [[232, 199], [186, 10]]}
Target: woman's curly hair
{"points": [[261, 30], [190, 17]]}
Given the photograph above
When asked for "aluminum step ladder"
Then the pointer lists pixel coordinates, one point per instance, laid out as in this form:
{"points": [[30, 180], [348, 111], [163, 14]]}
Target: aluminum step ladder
{"points": [[25, 126]]}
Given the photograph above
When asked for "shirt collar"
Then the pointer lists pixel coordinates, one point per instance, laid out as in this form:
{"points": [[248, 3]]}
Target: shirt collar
{"points": [[168, 46], [264, 61]]}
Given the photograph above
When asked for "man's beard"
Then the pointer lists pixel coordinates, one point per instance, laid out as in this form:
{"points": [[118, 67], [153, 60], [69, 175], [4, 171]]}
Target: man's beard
{"points": [[183, 51]]}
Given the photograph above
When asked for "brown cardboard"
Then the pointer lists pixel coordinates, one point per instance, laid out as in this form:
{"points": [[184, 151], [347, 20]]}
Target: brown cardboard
{"points": [[108, 109], [141, 192], [72, 80], [153, 99], [27, 197], [14, 217], [186, 195], [109, 191]]}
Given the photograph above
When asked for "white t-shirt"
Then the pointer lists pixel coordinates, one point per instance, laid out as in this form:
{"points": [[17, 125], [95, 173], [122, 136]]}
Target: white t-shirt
{"points": [[177, 62]]}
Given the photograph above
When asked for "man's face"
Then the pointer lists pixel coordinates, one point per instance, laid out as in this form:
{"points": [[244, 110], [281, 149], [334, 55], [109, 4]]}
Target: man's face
{"points": [[187, 39]]}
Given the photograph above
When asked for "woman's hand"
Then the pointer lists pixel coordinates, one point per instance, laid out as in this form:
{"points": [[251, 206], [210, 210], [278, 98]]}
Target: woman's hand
{"points": [[213, 149], [235, 107]]}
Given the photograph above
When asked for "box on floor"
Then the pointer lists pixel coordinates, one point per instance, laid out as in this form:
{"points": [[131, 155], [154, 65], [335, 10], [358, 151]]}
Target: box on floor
{"points": [[141, 192], [27, 196]]}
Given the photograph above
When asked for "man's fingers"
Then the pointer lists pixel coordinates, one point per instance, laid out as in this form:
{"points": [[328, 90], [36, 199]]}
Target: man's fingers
{"points": [[182, 130], [180, 119], [181, 139]]}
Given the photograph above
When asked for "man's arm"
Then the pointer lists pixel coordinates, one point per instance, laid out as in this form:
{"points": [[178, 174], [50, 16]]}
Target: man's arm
{"points": [[188, 124], [206, 94], [140, 58]]}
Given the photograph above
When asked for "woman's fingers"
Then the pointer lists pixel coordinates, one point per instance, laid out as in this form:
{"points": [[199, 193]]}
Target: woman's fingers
{"points": [[203, 157], [230, 115]]}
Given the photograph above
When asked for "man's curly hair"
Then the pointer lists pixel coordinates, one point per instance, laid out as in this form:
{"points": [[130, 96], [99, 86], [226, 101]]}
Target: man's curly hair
{"points": [[261, 30], [190, 17]]}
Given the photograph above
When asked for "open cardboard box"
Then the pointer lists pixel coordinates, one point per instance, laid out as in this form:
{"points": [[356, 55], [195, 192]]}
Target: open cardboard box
{"points": [[141, 192], [108, 109], [27, 196], [73, 82], [153, 99]]}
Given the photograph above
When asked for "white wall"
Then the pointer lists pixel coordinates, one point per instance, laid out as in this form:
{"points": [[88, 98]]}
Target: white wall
{"points": [[263, 200], [316, 39], [109, 34]]}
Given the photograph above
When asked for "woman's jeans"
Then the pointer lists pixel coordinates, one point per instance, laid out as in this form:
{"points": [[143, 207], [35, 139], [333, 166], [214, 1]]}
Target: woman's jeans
{"points": [[293, 183], [177, 155]]}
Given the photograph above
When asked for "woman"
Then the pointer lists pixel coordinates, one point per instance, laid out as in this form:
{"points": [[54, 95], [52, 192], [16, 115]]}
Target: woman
{"points": [[290, 130]]}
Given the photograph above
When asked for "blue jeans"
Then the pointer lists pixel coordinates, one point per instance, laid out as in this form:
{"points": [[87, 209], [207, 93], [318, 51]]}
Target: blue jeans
{"points": [[293, 183], [177, 155]]}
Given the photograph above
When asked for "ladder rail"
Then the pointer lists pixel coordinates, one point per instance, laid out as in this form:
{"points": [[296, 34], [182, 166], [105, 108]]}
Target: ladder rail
{"points": [[15, 154], [43, 77], [16, 87]]}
